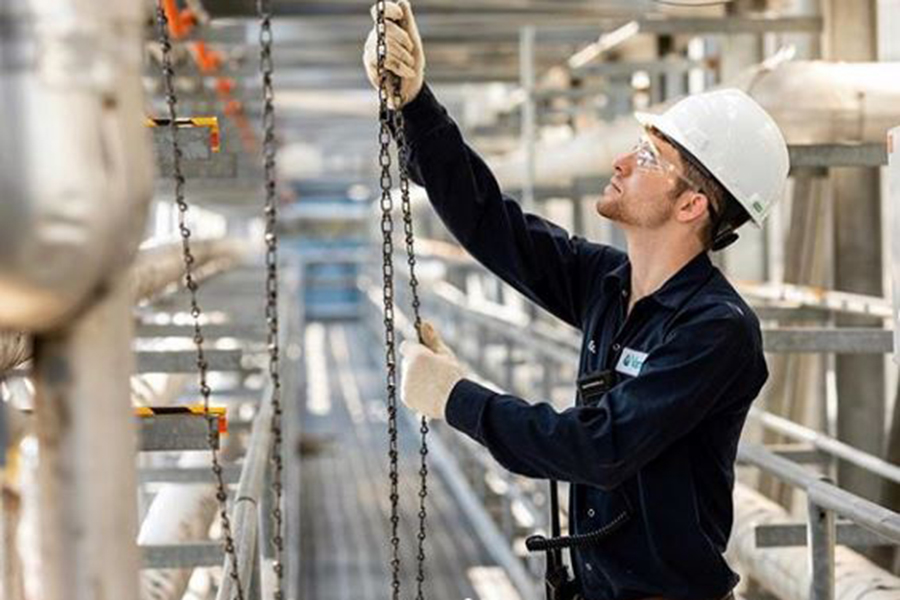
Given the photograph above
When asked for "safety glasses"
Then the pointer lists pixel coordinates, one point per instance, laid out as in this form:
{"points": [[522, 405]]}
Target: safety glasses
{"points": [[648, 158]]}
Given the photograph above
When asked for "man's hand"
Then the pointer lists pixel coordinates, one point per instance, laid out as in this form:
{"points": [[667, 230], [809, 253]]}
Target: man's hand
{"points": [[428, 373], [404, 57]]}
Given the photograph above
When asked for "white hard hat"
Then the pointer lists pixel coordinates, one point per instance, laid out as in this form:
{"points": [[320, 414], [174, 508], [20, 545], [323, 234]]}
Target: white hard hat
{"points": [[735, 139]]}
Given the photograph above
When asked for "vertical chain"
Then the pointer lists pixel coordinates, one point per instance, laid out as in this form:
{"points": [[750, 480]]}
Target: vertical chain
{"points": [[387, 271], [202, 366], [271, 239], [391, 85], [406, 209]]}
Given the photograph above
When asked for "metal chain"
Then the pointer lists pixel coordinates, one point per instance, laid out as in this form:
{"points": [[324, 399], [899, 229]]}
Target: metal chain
{"points": [[387, 271], [271, 239], [391, 85], [162, 23], [406, 209]]}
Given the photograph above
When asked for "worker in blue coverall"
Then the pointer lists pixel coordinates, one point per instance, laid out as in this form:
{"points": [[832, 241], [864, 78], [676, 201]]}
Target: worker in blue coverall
{"points": [[652, 457]]}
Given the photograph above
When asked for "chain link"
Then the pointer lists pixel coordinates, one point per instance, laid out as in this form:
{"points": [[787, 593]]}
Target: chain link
{"points": [[387, 270], [390, 85], [406, 210], [162, 24], [271, 239]]}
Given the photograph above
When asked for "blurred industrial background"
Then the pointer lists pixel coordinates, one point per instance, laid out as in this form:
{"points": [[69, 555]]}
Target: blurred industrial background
{"points": [[118, 373]]}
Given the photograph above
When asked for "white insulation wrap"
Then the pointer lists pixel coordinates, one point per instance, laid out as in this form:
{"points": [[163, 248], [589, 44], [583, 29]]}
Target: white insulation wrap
{"points": [[812, 101], [76, 174], [785, 572], [154, 269], [179, 513]]}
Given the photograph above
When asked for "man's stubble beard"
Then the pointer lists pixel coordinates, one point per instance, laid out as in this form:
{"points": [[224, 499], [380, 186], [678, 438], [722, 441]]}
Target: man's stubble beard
{"points": [[613, 209], [619, 211]]}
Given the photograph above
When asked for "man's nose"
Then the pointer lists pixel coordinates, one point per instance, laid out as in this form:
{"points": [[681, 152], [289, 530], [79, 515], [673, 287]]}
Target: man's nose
{"points": [[623, 164]]}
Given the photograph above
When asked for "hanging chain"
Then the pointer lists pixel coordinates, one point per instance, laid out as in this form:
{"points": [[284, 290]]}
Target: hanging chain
{"points": [[387, 271], [202, 366], [406, 210], [271, 239], [391, 85]]}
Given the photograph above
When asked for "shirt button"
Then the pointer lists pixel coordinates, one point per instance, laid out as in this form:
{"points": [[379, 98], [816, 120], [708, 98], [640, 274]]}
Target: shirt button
{"points": [[590, 512], [588, 567], [616, 347], [624, 293]]}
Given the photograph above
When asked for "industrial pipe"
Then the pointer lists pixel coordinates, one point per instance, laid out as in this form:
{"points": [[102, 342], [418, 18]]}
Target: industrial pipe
{"points": [[829, 102], [154, 270], [158, 267], [76, 172], [785, 571]]}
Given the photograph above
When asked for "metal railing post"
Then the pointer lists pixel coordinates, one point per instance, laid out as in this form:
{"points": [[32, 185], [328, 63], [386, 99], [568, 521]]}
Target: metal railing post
{"points": [[245, 511], [821, 541]]}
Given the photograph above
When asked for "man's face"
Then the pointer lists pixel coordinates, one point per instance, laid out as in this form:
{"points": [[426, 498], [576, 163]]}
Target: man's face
{"points": [[639, 193]]}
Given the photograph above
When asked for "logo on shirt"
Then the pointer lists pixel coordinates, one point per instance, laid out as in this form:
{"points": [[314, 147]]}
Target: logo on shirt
{"points": [[631, 362], [592, 347]]}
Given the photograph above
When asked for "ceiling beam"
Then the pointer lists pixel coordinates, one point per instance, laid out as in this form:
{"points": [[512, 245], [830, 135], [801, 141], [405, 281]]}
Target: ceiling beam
{"points": [[552, 29], [426, 8]]}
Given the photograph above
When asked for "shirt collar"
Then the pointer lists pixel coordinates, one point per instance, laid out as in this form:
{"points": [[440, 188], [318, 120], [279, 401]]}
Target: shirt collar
{"points": [[674, 291]]}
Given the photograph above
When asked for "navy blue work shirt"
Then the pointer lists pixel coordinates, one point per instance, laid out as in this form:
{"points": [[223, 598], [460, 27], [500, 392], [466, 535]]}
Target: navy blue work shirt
{"points": [[660, 445]]}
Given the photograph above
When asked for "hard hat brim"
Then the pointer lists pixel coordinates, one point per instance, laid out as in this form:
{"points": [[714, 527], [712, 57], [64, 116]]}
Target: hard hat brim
{"points": [[646, 119]]}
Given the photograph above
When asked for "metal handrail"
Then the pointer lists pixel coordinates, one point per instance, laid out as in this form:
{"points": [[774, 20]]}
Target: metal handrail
{"points": [[245, 512], [827, 444], [825, 494]]}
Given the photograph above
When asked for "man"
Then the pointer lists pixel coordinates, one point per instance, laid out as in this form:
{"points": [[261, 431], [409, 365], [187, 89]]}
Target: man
{"points": [[671, 356]]}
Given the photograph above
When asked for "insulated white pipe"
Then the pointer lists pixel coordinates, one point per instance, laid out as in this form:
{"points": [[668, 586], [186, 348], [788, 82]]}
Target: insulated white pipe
{"points": [[75, 162], [153, 271], [785, 572], [179, 513], [812, 101]]}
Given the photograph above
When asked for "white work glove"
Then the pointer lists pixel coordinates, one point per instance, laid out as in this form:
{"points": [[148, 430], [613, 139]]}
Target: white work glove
{"points": [[428, 373], [404, 57]]}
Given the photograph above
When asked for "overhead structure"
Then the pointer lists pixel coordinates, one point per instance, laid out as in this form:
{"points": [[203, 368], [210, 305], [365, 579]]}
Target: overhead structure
{"points": [[847, 103]]}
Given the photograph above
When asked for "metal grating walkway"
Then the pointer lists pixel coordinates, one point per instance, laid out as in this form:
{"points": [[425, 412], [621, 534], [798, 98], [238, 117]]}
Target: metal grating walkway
{"points": [[344, 487]]}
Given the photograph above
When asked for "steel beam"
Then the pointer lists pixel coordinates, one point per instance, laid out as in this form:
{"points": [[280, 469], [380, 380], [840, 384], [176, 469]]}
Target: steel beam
{"points": [[789, 313], [175, 432], [222, 165], [182, 556], [193, 142], [523, 13], [185, 361], [626, 68], [730, 25], [212, 330], [230, 473], [814, 297], [840, 341], [795, 534], [838, 155]]}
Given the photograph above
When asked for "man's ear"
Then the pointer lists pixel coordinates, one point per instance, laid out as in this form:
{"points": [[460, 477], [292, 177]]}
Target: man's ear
{"points": [[692, 206]]}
